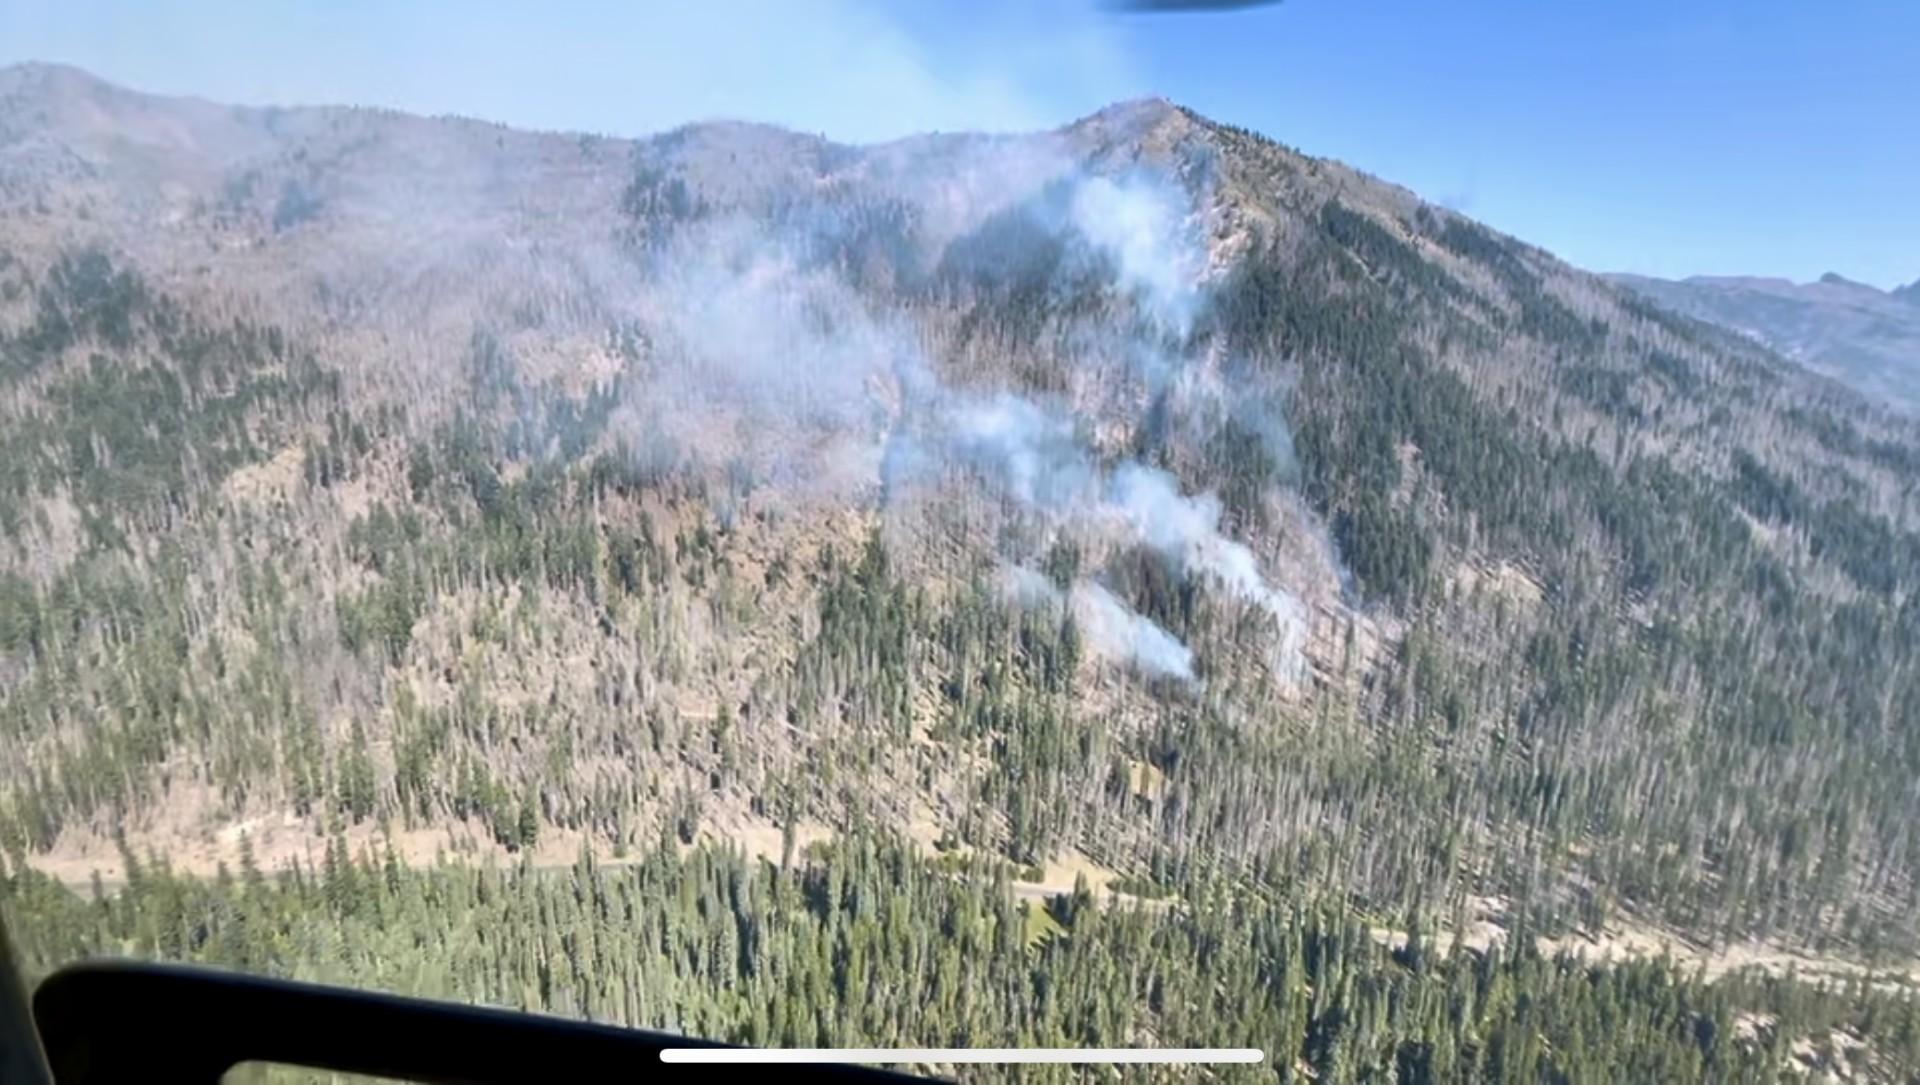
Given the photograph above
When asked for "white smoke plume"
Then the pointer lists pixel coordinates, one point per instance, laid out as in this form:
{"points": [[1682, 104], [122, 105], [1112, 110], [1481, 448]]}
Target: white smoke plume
{"points": [[1032, 454], [1110, 629], [777, 359], [768, 362], [1141, 225], [1034, 451], [766, 332], [1113, 628], [1185, 529]]}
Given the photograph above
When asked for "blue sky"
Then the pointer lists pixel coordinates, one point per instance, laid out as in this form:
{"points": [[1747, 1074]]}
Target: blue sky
{"points": [[1689, 136]]}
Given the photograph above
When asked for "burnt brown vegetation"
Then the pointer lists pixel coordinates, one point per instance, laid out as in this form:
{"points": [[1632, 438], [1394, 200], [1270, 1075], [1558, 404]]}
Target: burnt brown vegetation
{"points": [[386, 565]]}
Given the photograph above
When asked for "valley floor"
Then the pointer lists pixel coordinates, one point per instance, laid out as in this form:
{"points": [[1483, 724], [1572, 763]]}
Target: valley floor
{"points": [[275, 843]]}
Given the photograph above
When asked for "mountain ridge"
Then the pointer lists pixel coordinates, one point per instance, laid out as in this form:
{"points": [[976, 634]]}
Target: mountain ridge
{"points": [[1863, 336], [609, 485]]}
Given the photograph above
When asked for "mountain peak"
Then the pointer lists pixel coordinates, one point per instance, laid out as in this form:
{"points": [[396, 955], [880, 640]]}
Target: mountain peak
{"points": [[54, 81], [1133, 116], [1143, 105], [1836, 284], [36, 70]]}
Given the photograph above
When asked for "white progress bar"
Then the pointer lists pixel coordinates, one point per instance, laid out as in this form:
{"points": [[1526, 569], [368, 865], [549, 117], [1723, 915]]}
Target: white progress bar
{"points": [[956, 1055]]}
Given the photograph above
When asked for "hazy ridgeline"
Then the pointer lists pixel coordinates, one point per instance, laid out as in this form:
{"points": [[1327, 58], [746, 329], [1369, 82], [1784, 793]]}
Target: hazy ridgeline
{"points": [[1300, 562]]}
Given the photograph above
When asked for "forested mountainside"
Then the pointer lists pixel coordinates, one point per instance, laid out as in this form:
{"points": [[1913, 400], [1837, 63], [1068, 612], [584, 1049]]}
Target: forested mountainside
{"points": [[1143, 498], [1866, 338]]}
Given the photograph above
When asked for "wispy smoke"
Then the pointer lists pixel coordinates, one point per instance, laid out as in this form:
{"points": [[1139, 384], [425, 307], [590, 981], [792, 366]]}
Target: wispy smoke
{"points": [[767, 361], [1114, 629], [759, 329], [772, 356], [1034, 452], [1031, 453], [1142, 226], [1185, 529], [1110, 629]]}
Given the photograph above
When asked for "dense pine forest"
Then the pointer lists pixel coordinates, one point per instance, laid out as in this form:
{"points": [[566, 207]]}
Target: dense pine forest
{"points": [[873, 945], [1131, 584]]}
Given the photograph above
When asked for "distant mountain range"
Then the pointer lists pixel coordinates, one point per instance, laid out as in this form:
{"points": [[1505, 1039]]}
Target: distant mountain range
{"points": [[1866, 337]]}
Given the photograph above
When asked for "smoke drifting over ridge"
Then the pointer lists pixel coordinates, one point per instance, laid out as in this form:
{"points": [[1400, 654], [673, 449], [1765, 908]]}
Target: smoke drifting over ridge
{"points": [[791, 315], [832, 389]]}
